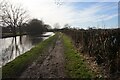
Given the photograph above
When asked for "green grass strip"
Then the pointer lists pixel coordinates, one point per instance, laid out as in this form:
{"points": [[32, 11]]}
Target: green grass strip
{"points": [[75, 66], [17, 66]]}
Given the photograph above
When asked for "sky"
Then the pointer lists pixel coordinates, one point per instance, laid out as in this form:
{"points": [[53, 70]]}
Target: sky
{"points": [[76, 13]]}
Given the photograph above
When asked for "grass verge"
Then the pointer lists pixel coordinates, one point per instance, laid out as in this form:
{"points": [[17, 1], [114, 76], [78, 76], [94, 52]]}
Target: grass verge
{"points": [[14, 68], [75, 66]]}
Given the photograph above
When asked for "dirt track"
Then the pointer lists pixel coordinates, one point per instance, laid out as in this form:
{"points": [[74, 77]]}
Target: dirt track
{"points": [[52, 65]]}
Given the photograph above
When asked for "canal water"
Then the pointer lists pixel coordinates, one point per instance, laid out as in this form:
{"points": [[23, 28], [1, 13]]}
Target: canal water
{"points": [[12, 47]]}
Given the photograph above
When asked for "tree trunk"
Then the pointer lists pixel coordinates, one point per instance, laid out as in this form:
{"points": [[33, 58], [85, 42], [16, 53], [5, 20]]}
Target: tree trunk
{"points": [[14, 31]]}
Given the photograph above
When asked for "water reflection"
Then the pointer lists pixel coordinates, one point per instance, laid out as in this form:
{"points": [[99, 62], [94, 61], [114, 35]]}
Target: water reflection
{"points": [[35, 39], [14, 46]]}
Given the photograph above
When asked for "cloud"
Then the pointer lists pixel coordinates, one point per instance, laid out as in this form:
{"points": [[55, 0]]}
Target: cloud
{"points": [[50, 12], [90, 0], [106, 17], [92, 14], [88, 14]]}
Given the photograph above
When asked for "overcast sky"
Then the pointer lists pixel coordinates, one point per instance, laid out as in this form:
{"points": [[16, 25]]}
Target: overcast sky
{"points": [[77, 13]]}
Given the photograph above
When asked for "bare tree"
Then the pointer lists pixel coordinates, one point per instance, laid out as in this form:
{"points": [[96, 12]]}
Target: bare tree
{"points": [[13, 16]]}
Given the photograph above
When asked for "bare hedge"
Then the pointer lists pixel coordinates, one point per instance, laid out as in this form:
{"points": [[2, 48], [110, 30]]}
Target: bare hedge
{"points": [[103, 44]]}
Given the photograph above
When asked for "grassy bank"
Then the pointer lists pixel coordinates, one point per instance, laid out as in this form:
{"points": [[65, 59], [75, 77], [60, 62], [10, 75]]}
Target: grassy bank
{"points": [[75, 67], [18, 65]]}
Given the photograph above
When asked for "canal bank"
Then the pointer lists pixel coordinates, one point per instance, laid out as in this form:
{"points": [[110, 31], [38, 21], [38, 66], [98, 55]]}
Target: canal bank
{"points": [[13, 47], [14, 68]]}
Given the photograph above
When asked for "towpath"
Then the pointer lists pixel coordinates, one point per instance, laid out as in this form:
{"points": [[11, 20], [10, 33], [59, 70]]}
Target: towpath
{"points": [[51, 67]]}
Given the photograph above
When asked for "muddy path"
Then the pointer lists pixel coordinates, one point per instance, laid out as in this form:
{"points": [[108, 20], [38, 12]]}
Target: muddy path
{"points": [[52, 65]]}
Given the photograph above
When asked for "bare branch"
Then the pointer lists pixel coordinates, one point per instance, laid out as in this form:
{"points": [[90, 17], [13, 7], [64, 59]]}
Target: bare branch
{"points": [[12, 15]]}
